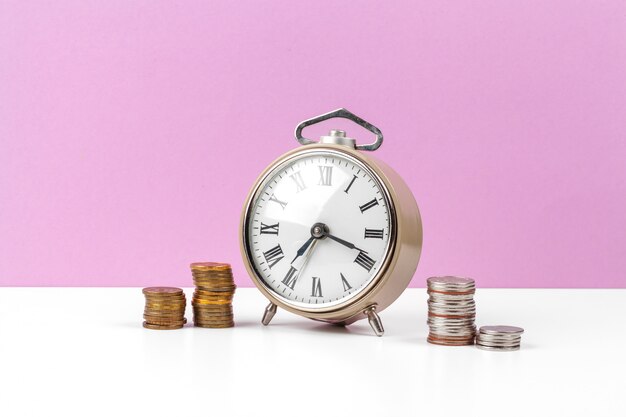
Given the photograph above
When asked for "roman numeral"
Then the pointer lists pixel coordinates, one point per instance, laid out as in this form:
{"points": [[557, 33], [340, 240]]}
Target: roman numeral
{"points": [[316, 288], [350, 185], [275, 200], [368, 205], [346, 284], [297, 178], [326, 175], [273, 256], [269, 229], [371, 233], [365, 261], [291, 278]]}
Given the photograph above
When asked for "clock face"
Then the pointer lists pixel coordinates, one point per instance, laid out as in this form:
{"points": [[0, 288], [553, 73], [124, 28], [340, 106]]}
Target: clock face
{"points": [[318, 229]]}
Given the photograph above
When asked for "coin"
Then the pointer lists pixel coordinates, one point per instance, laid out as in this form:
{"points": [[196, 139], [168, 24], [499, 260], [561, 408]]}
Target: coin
{"points": [[209, 266], [162, 291], [499, 330], [450, 283], [159, 327], [212, 326], [165, 322], [212, 307]]}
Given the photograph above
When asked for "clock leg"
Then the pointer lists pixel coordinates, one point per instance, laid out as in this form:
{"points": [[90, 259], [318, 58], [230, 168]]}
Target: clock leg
{"points": [[268, 315], [374, 319]]}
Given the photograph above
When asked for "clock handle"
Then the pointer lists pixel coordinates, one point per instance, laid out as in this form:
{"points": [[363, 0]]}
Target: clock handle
{"points": [[269, 313], [375, 321], [345, 114]]}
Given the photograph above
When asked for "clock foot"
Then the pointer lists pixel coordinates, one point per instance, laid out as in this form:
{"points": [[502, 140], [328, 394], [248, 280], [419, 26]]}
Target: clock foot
{"points": [[268, 315], [374, 319]]}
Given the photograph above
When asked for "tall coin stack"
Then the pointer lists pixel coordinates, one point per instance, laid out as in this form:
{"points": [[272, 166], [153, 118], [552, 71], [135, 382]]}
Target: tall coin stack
{"points": [[165, 308], [451, 311], [212, 299], [500, 338]]}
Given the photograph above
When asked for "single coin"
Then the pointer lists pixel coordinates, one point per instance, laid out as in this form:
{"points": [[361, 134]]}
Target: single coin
{"points": [[229, 323], [161, 303], [214, 280], [496, 344], [501, 330], [216, 302], [210, 300], [209, 266], [501, 349], [157, 327], [451, 338], [500, 336], [174, 310], [210, 312], [225, 285], [163, 316], [212, 274], [164, 313], [447, 342], [162, 290], [215, 289], [167, 297], [165, 323], [450, 281], [210, 293], [212, 307], [210, 284], [213, 317]]}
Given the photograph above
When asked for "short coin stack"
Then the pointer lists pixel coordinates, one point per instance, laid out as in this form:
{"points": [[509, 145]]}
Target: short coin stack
{"points": [[165, 308], [451, 311], [212, 299], [502, 338]]}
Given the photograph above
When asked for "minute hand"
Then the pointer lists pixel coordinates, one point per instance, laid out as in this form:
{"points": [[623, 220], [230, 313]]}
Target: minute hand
{"points": [[344, 243]]}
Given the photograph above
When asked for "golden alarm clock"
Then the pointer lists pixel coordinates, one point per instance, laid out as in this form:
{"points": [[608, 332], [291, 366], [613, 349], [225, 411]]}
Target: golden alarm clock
{"points": [[329, 232]]}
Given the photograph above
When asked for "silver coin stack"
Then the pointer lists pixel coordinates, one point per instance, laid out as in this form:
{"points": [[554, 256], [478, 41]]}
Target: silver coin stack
{"points": [[503, 338], [451, 311]]}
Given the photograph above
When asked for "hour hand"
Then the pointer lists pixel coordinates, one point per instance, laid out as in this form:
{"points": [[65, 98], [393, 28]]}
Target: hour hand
{"points": [[343, 242], [303, 248]]}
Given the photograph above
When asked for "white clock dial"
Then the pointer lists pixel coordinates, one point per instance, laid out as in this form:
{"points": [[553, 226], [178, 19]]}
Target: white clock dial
{"points": [[319, 229]]}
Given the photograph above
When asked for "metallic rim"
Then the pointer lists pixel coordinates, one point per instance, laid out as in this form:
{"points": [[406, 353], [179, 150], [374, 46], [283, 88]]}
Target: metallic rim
{"points": [[391, 245]]}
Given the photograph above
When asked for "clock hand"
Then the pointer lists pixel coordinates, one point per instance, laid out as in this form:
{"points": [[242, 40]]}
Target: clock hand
{"points": [[343, 242], [303, 248], [307, 257]]}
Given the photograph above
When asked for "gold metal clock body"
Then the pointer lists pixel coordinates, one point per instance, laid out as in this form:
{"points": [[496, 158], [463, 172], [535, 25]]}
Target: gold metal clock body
{"points": [[401, 259]]}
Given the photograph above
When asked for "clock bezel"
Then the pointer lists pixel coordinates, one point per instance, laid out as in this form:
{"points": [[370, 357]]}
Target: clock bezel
{"points": [[258, 188]]}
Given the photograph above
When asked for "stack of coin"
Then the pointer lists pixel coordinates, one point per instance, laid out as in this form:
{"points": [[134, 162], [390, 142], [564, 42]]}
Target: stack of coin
{"points": [[212, 299], [165, 308], [503, 338], [451, 311]]}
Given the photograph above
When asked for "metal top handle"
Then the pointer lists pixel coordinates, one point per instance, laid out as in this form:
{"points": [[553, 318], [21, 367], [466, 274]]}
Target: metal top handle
{"points": [[345, 114]]}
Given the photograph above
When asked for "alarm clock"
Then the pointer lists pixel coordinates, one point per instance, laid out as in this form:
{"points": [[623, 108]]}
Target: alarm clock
{"points": [[329, 232]]}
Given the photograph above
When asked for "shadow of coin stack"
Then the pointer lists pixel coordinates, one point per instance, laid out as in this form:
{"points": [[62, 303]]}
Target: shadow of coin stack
{"points": [[165, 308], [212, 299], [451, 311]]}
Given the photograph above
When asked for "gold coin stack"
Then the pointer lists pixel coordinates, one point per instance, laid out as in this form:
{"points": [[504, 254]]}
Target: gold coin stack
{"points": [[165, 308], [212, 299]]}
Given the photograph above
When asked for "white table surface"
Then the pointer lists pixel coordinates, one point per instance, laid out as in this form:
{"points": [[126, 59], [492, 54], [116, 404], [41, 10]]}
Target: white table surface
{"points": [[83, 352]]}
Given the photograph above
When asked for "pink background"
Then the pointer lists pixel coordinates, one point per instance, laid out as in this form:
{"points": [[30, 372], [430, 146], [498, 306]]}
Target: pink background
{"points": [[131, 132]]}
